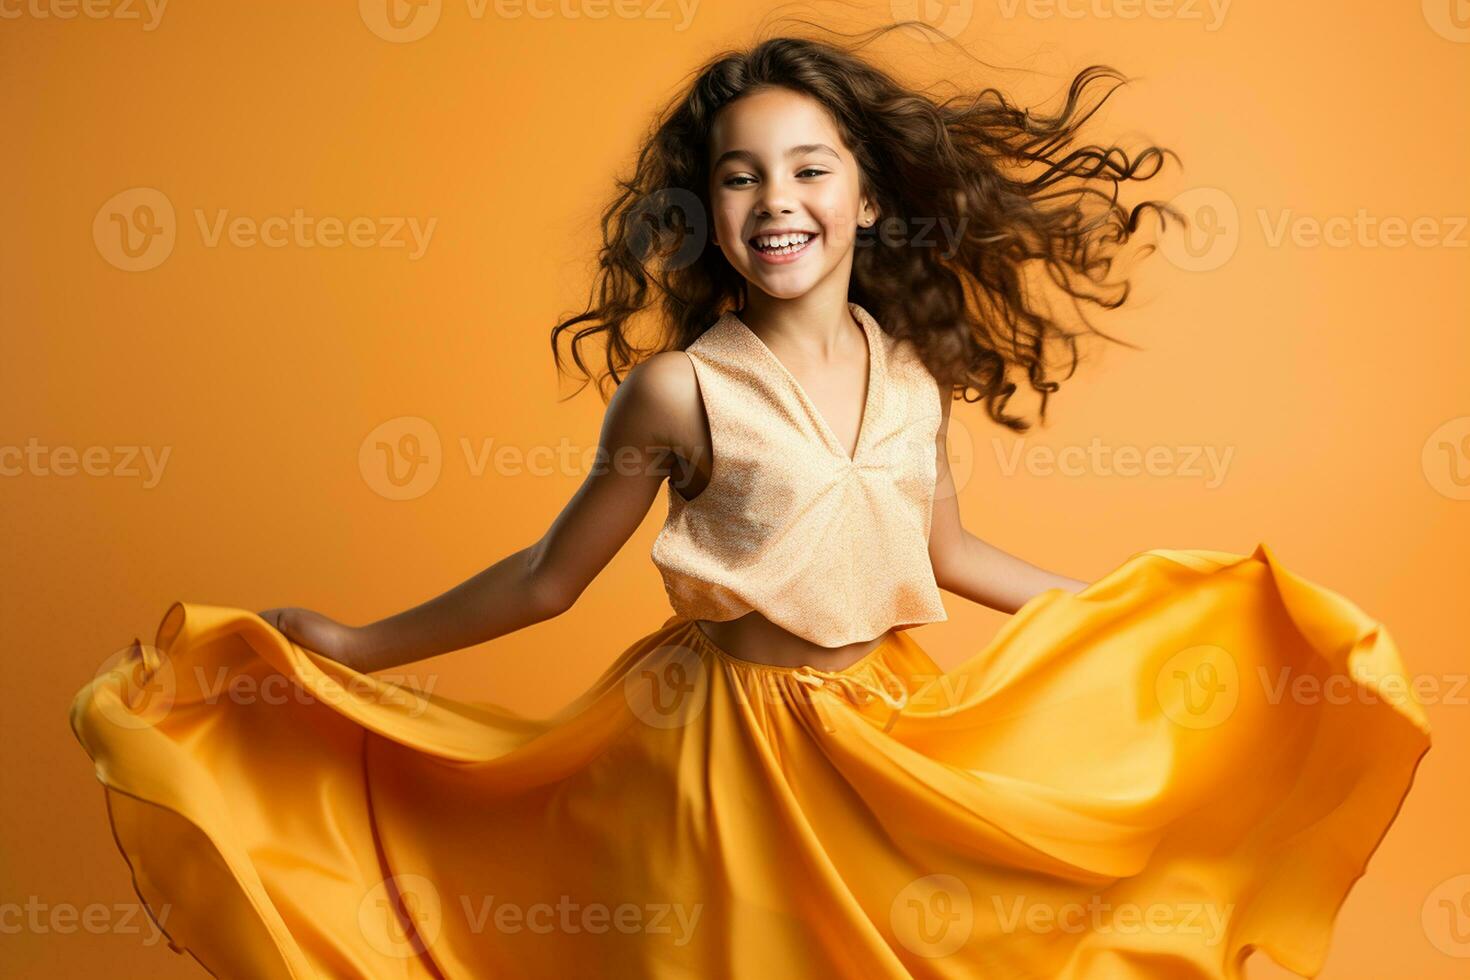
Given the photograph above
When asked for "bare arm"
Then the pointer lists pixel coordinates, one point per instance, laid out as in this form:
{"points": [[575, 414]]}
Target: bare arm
{"points": [[968, 566], [545, 578]]}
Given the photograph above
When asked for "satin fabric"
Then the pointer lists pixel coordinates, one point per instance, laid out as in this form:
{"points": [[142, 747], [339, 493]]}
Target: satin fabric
{"points": [[1129, 782]]}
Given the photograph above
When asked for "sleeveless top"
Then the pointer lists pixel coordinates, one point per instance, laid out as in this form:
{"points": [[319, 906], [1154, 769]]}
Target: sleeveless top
{"points": [[831, 548]]}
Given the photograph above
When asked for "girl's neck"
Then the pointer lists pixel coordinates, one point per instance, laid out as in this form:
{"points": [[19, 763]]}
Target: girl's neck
{"points": [[815, 327]]}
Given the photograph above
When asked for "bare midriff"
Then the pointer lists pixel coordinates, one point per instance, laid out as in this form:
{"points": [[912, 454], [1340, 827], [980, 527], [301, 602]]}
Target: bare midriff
{"points": [[755, 638]]}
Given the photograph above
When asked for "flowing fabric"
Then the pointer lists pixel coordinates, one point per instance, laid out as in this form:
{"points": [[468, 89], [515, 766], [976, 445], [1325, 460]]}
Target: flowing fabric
{"points": [[1194, 757]]}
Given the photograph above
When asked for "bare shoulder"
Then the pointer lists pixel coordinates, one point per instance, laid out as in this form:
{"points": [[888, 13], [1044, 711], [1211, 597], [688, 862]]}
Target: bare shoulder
{"points": [[662, 394], [664, 383], [667, 373]]}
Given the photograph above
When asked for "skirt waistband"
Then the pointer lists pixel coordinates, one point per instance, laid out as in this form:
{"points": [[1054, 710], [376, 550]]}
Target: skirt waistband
{"points": [[868, 679], [702, 639]]}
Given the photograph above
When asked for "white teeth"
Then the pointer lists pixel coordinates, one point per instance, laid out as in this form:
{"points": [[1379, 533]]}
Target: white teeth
{"points": [[781, 241]]}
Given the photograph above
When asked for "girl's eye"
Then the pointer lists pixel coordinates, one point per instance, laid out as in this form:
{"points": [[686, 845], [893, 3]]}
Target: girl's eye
{"points": [[805, 170]]}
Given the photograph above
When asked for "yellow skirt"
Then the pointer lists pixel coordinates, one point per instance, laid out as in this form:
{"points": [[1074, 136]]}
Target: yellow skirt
{"points": [[1194, 757]]}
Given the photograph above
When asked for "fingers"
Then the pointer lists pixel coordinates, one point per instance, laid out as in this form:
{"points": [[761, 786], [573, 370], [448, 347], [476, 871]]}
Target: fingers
{"points": [[276, 617]]}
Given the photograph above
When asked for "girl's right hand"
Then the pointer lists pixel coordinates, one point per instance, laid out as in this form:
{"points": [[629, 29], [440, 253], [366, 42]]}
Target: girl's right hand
{"points": [[318, 633]]}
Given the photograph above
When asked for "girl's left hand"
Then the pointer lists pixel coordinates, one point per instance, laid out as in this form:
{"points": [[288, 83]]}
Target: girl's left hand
{"points": [[318, 633]]}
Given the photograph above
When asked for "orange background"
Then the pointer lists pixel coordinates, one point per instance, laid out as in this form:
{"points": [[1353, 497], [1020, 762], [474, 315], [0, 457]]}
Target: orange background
{"points": [[1335, 376]]}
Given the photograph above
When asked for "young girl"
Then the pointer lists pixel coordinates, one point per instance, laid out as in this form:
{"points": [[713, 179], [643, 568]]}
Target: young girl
{"points": [[1129, 781]]}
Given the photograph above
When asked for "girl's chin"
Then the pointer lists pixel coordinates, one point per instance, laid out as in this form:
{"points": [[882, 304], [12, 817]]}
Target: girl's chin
{"points": [[784, 273], [783, 285]]}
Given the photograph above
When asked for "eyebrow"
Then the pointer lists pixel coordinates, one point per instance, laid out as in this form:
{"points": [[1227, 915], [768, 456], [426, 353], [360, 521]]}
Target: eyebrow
{"points": [[795, 151]]}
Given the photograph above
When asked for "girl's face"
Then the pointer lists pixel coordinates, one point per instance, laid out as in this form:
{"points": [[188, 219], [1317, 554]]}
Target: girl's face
{"points": [[778, 165]]}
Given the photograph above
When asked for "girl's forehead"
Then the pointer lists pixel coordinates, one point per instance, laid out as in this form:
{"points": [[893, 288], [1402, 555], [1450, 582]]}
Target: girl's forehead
{"points": [[773, 120]]}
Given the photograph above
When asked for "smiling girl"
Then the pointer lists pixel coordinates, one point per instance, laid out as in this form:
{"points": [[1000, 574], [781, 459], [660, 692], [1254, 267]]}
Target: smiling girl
{"points": [[778, 781]]}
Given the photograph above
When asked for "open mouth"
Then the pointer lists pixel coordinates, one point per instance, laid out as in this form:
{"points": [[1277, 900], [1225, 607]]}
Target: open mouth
{"points": [[782, 246]]}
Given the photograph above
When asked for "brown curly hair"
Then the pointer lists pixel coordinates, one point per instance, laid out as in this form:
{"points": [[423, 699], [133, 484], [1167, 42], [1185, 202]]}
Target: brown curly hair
{"points": [[957, 162]]}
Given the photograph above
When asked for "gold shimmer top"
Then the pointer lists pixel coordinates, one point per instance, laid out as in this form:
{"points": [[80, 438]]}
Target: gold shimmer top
{"points": [[830, 548]]}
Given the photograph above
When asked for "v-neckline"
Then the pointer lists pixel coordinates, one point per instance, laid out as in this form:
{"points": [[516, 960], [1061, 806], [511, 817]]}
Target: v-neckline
{"points": [[869, 398]]}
